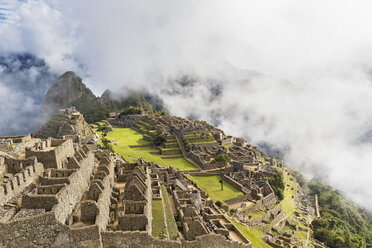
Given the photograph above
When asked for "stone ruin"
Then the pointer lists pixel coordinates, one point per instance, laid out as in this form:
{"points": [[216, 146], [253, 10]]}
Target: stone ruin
{"points": [[68, 123], [206, 142], [62, 194]]}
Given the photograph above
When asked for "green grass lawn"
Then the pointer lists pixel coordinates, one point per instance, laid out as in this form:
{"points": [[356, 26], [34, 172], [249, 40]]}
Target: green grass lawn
{"points": [[252, 235], [158, 226], [171, 148], [103, 122], [172, 228], [257, 215], [245, 208], [197, 136], [211, 185], [203, 142], [301, 236], [127, 136], [288, 202]]}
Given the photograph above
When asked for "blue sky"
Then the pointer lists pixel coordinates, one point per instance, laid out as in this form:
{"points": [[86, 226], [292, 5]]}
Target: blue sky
{"points": [[7, 10]]}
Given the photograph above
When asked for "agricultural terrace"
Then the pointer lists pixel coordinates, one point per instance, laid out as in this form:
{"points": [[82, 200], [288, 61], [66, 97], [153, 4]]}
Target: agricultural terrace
{"points": [[252, 234], [211, 185], [127, 136], [290, 190]]}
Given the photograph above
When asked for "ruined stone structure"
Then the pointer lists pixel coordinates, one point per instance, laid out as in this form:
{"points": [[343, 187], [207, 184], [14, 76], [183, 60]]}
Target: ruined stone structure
{"points": [[68, 123], [62, 193], [205, 140], [52, 153]]}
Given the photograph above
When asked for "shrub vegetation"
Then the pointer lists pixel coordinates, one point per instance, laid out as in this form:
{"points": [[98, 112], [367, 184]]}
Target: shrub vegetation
{"points": [[277, 184]]}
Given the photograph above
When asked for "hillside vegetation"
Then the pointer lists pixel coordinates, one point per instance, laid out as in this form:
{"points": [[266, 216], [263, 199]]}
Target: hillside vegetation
{"points": [[133, 102], [90, 106], [343, 224]]}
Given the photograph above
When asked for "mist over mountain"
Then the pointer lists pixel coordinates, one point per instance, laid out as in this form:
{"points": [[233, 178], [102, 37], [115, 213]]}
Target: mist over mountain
{"points": [[312, 102], [118, 100], [69, 90], [24, 80]]}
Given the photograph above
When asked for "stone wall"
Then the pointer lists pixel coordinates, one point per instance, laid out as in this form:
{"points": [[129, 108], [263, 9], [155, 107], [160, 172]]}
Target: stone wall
{"points": [[17, 139], [46, 202], [226, 141], [104, 200], [13, 165], [132, 222], [237, 199], [19, 182], [200, 162], [44, 231], [170, 152], [252, 208], [278, 219], [205, 173], [234, 183], [213, 241], [71, 194], [134, 239], [64, 201], [142, 239], [269, 200], [203, 140], [89, 211], [53, 157], [52, 181]]}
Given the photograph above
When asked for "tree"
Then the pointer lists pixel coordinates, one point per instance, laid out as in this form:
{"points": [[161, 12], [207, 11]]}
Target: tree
{"points": [[186, 144], [341, 224], [106, 143], [218, 203], [104, 129], [131, 111], [159, 138], [222, 160]]}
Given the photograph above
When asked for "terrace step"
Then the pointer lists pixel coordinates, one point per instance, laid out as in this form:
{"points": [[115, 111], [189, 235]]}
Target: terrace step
{"points": [[172, 157], [155, 152], [169, 151], [171, 145], [201, 140]]}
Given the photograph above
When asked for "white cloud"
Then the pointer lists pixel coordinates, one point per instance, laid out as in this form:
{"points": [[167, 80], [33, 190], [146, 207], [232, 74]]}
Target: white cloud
{"points": [[323, 49]]}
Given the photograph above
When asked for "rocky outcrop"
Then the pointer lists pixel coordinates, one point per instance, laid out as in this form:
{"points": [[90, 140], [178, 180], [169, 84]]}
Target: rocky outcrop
{"points": [[66, 91]]}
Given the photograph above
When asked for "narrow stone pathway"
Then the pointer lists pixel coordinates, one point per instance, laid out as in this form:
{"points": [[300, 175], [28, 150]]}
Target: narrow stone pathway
{"points": [[149, 203], [169, 218]]}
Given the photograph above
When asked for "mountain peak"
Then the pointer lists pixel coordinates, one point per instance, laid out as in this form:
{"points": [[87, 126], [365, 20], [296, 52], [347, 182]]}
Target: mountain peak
{"points": [[67, 90]]}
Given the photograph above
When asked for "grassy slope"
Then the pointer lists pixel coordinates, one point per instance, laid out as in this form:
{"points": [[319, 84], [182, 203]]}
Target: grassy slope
{"points": [[211, 185], [126, 136], [288, 202], [252, 235], [257, 215], [158, 226], [169, 215]]}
